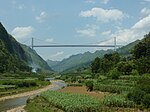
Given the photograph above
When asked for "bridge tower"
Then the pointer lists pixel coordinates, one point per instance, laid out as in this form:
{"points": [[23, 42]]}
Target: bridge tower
{"points": [[115, 43], [32, 43]]}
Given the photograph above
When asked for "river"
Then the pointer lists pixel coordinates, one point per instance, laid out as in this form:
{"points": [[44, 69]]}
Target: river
{"points": [[12, 103]]}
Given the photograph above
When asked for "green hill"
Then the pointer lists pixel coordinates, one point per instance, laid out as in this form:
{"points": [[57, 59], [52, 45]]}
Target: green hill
{"points": [[85, 59], [17, 57], [34, 60], [76, 61]]}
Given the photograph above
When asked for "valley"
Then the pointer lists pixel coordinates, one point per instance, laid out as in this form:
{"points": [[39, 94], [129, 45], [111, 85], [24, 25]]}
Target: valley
{"points": [[75, 56]]}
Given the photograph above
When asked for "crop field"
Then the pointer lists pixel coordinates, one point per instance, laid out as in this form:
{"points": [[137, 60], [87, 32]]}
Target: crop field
{"points": [[115, 100], [124, 84], [72, 102]]}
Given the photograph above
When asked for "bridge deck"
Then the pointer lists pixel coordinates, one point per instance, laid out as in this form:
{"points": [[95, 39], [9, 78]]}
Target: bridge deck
{"points": [[76, 46]]}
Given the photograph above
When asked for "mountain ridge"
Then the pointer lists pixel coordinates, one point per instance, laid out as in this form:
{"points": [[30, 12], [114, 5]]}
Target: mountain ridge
{"points": [[85, 59], [19, 53]]}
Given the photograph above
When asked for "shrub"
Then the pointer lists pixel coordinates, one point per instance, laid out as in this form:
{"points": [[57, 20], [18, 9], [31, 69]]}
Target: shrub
{"points": [[146, 100], [144, 84], [135, 72], [136, 96], [89, 85], [114, 74]]}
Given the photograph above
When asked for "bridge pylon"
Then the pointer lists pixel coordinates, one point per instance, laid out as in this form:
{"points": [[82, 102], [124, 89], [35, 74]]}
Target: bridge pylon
{"points": [[115, 43], [32, 43]]}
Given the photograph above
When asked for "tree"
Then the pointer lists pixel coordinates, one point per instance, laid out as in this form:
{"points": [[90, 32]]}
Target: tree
{"points": [[143, 48], [141, 54], [126, 68], [95, 65]]}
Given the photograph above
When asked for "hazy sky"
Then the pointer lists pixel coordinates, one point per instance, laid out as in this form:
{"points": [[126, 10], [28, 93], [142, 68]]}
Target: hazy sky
{"points": [[74, 22]]}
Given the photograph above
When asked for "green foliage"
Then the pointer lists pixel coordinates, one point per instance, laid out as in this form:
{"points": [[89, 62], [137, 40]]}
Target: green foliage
{"points": [[41, 77], [114, 74], [146, 100], [135, 73], [141, 91], [117, 101], [136, 96], [143, 65], [39, 104], [112, 88], [15, 85], [89, 85], [126, 67], [143, 48], [72, 102], [105, 64], [141, 53], [95, 65], [144, 83]]}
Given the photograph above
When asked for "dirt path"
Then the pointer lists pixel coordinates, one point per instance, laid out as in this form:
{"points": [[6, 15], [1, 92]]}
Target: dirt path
{"points": [[82, 90], [26, 93]]}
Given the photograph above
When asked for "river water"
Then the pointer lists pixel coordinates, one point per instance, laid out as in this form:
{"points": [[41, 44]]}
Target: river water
{"points": [[12, 103]]}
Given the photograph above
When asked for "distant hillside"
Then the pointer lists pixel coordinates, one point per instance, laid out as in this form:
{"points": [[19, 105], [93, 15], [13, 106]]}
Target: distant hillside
{"points": [[16, 57], [52, 63], [85, 59], [125, 50], [78, 60], [34, 60]]}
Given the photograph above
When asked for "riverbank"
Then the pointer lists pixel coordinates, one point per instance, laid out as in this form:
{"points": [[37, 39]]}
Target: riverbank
{"points": [[17, 109], [30, 93], [14, 103]]}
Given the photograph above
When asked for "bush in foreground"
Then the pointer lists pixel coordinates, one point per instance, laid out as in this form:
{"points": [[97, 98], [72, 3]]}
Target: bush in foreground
{"points": [[89, 85]]}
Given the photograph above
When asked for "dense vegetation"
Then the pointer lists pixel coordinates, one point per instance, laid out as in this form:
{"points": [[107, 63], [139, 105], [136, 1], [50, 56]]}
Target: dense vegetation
{"points": [[14, 86], [134, 69], [10, 62]]}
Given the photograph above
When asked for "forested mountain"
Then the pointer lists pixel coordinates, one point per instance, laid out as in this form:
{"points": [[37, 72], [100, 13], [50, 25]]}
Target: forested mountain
{"points": [[34, 60], [52, 63], [16, 57], [85, 59], [12, 56], [79, 60]]}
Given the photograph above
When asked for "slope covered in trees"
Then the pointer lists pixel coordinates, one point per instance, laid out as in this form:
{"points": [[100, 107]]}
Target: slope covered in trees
{"points": [[15, 57], [12, 56], [34, 60], [137, 63]]}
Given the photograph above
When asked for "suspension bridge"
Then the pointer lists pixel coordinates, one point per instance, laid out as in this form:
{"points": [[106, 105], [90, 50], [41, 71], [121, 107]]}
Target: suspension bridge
{"points": [[97, 45]]}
